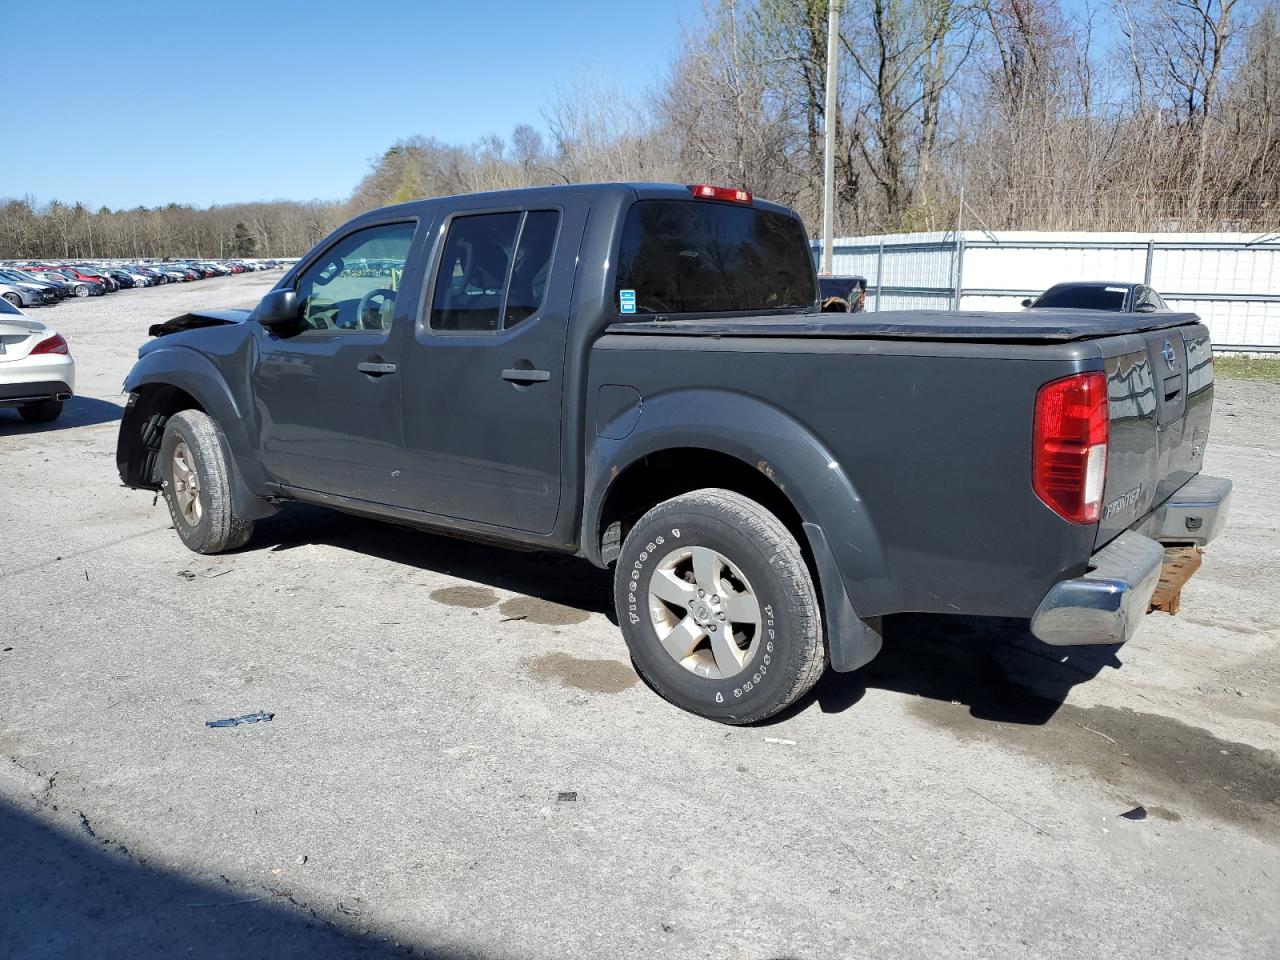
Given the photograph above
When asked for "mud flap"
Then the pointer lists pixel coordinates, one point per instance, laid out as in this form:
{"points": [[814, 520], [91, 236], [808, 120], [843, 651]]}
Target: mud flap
{"points": [[852, 642]]}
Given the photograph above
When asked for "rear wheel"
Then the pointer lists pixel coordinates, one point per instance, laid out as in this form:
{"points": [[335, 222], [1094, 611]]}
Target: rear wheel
{"points": [[42, 411], [718, 607], [196, 479]]}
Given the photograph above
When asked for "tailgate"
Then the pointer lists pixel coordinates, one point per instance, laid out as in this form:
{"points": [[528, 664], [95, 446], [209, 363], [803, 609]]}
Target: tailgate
{"points": [[1160, 393]]}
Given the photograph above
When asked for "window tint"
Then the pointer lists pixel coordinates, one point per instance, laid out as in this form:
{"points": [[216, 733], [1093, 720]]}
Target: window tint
{"points": [[532, 266], [686, 256], [352, 286], [479, 280]]}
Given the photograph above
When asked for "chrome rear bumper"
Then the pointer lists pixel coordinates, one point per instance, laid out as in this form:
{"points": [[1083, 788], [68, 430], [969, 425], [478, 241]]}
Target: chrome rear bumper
{"points": [[1107, 603]]}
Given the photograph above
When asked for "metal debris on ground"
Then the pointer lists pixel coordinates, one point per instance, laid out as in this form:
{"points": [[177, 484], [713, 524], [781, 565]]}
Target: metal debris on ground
{"points": [[208, 573], [780, 741], [260, 717], [567, 796], [1137, 814]]}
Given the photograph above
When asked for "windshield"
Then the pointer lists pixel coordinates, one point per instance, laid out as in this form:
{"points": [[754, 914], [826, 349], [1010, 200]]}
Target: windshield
{"points": [[1084, 297], [694, 256]]}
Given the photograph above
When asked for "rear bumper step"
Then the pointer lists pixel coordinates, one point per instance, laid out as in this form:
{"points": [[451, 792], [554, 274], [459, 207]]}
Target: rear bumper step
{"points": [[1107, 603], [1194, 514]]}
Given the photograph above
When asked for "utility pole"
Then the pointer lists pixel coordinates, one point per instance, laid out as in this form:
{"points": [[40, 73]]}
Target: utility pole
{"points": [[829, 156]]}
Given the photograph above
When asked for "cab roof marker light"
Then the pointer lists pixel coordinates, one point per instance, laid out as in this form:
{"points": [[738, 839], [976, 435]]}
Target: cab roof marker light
{"points": [[706, 191]]}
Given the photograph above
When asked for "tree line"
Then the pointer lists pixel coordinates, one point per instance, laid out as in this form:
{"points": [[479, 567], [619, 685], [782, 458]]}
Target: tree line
{"points": [[979, 114]]}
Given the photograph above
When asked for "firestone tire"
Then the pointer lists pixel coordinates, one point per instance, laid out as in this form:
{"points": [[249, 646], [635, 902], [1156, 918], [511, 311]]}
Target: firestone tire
{"points": [[753, 559], [196, 480]]}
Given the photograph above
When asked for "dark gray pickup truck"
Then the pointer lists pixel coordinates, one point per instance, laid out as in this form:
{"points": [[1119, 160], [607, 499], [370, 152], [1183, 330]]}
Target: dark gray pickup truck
{"points": [[639, 374]]}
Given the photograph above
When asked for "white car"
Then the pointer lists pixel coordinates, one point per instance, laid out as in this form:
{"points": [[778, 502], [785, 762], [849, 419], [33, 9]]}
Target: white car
{"points": [[36, 370]]}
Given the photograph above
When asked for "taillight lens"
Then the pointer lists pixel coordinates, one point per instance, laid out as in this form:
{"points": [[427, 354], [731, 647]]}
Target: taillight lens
{"points": [[1069, 458], [53, 344]]}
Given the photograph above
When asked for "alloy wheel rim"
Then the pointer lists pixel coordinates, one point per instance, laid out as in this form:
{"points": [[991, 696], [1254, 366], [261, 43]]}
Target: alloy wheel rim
{"points": [[705, 612], [186, 484]]}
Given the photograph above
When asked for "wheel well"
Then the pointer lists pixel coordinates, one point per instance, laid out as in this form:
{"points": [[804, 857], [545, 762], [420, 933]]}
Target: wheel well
{"points": [[669, 473], [142, 430]]}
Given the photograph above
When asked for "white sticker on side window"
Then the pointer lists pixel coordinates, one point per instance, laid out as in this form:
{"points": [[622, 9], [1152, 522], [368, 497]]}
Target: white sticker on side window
{"points": [[1117, 289], [626, 301]]}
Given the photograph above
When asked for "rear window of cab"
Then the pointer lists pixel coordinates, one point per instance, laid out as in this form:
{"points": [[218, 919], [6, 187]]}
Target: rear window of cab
{"points": [[698, 256]]}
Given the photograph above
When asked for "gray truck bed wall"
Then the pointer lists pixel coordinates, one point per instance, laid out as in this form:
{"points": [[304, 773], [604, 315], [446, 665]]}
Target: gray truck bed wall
{"points": [[899, 451]]}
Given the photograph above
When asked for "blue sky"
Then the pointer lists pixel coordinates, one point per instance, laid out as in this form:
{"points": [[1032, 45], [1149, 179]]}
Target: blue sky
{"points": [[215, 102]]}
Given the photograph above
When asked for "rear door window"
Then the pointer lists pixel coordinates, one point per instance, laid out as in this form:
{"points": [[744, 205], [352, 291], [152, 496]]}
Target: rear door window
{"points": [[494, 267], [698, 256]]}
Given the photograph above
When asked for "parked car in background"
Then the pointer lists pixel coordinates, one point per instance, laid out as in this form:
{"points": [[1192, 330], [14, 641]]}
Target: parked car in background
{"points": [[21, 294], [59, 288], [37, 372], [1118, 297], [842, 294], [81, 286]]}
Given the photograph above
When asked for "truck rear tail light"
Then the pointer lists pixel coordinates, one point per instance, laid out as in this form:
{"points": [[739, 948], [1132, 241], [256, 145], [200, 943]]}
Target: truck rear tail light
{"points": [[708, 192], [53, 344], [1069, 456]]}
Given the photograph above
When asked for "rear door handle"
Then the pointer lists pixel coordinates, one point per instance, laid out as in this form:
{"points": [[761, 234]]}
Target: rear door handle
{"points": [[516, 375], [374, 369]]}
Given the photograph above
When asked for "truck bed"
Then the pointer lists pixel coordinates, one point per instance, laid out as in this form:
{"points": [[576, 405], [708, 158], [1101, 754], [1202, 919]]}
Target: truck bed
{"points": [[1027, 326]]}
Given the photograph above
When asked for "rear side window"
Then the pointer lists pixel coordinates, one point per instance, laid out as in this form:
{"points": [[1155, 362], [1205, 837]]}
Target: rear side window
{"points": [[494, 265], [697, 256]]}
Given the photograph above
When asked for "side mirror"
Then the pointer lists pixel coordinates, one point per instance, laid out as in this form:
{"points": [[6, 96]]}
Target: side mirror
{"points": [[278, 308], [1145, 308], [1026, 302]]}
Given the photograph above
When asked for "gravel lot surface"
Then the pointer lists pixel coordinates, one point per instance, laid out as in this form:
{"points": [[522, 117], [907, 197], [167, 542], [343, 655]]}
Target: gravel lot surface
{"points": [[463, 764]]}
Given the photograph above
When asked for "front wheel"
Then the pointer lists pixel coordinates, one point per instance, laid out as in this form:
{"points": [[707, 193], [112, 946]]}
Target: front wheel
{"points": [[196, 479], [82, 290], [718, 607], [13, 298]]}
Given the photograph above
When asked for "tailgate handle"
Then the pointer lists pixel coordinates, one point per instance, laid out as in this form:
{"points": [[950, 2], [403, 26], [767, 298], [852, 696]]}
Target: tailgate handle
{"points": [[520, 375]]}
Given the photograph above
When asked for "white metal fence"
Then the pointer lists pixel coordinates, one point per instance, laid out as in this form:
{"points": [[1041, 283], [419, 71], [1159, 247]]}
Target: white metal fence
{"points": [[1231, 280]]}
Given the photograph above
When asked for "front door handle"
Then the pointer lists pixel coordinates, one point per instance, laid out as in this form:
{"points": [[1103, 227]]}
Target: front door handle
{"points": [[375, 368], [518, 375]]}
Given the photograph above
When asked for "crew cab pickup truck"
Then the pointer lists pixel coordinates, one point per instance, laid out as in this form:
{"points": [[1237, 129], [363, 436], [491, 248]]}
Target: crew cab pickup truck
{"points": [[639, 374]]}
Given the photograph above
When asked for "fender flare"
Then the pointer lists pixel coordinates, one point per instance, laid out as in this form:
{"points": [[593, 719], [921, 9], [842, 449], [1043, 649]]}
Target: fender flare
{"points": [[842, 536], [193, 373]]}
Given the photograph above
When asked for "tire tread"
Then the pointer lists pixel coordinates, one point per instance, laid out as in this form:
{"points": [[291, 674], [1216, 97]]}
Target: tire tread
{"points": [[787, 561]]}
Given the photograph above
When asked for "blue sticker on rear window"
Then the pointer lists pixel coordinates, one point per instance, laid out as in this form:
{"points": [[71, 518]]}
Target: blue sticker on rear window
{"points": [[627, 301]]}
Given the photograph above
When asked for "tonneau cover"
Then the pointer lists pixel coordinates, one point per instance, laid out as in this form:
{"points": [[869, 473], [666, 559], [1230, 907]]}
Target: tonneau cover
{"points": [[1059, 325]]}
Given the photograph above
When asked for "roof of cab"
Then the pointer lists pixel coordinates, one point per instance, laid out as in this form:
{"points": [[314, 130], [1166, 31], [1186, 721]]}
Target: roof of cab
{"points": [[550, 194]]}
